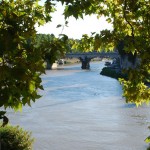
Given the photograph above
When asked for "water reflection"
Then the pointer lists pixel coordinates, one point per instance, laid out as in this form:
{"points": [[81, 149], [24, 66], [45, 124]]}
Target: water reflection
{"points": [[129, 106]]}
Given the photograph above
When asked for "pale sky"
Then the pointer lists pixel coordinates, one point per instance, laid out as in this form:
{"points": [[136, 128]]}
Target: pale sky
{"points": [[75, 27]]}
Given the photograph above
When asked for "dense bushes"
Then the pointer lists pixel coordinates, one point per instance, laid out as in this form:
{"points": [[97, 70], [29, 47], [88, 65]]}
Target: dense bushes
{"points": [[110, 72], [15, 138]]}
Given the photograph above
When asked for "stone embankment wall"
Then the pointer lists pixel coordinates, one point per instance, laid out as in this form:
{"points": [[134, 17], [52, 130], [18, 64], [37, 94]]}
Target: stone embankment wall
{"points": [[126, 63]]}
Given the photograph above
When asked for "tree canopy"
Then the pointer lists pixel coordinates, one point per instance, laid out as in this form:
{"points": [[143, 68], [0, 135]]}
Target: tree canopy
{"points": [[21, 62], [130, 18], [52, 48]]}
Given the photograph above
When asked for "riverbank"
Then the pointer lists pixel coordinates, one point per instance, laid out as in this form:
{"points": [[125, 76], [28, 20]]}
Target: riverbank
{"points": [[116, 73], [70, 61], [110, 72], [113, 70]]}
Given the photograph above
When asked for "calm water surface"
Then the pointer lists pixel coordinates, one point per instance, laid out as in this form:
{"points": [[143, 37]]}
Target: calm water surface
{"points": [[80, 109]]}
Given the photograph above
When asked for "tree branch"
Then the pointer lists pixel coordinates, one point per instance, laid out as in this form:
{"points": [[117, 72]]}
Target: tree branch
{"points": [[132, 29]]}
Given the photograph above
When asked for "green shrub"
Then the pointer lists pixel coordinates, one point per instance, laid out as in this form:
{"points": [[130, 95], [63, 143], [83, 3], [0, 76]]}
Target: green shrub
{"points": [[15, 138], [108, 71]]}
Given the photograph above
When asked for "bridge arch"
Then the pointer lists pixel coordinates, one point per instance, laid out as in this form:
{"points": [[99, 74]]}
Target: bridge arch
{"points": [[85, 58]]}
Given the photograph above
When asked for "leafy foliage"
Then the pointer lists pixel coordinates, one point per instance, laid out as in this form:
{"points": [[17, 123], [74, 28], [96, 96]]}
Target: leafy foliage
{"points": [[15, 138], [52, 48], [95, 42], [130, 18], [147, 140], [110, 72], [21, 60], [21, 63]]}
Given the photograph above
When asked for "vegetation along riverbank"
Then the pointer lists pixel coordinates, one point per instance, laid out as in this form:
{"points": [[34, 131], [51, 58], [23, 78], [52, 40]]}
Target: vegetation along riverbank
{"points": [[113, 70]]}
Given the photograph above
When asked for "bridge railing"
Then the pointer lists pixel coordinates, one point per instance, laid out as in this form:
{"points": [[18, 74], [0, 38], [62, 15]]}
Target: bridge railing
{"points": [[93, 54]]}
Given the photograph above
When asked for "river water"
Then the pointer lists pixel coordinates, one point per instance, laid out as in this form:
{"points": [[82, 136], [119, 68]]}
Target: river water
{"points": [[80, 109]]}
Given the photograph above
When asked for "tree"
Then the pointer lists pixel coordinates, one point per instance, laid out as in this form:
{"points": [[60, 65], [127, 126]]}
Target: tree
{"points": [[52, 48], [21, 63], [130, 18]]}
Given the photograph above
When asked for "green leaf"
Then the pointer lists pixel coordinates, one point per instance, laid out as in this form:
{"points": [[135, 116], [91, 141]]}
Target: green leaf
{"points": [[2, 113], [109, 20], [58, 26], [147, 140], [31, 86], [18, 107]]}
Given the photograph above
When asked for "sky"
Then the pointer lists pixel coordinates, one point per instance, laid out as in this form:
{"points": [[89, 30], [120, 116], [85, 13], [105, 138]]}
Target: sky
{"points": [[76, 28]]}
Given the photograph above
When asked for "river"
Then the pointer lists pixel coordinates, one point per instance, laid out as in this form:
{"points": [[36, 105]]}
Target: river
{"points": [[83, 110]]}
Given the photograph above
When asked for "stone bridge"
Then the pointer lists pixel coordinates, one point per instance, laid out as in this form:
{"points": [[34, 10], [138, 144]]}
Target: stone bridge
{"points": [[85, 58]]}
